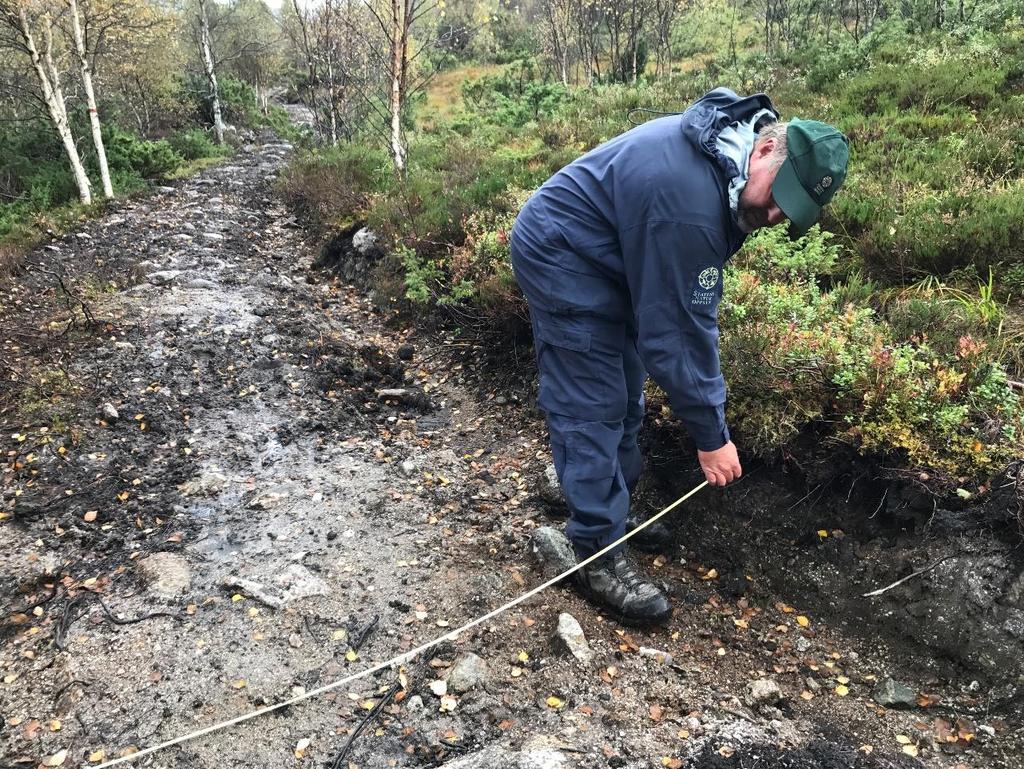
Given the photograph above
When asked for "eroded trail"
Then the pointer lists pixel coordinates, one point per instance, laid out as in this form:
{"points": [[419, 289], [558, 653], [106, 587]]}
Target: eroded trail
{"points": [[290, 490]]}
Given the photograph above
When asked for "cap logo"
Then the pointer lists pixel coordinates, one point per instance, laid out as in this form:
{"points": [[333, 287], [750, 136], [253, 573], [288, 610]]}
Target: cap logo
{"points": [[824, 184]]}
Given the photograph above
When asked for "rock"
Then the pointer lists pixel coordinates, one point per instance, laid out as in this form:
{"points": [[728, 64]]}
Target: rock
{"points": [[763, 691], [536, 755], [415, 703], [801, 644], [208, 483], [164, 189], [468, 672], [146, 266], [166, 574], [550, 490], [109, 413], [200, 283], [163, 277], [892, 694], [408, 468], [364, 242], [293, 583], [571, 633], [406, 351], [552, 550]]}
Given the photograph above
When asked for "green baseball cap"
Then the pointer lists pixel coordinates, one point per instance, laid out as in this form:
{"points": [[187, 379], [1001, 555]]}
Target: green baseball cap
{"points": [[814, 168]]}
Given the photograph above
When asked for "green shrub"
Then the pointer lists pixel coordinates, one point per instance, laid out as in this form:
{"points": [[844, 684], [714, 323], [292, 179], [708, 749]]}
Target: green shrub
{"points": [[195, 144], [796, 357], [332, 187]]}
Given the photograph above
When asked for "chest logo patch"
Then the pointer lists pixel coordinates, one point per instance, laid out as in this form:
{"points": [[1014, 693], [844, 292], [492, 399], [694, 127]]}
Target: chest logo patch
{"points": [[708, 278]]}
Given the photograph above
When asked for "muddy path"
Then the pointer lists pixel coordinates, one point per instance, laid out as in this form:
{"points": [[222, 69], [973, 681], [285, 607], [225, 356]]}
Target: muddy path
{"points": [[228, 479]]}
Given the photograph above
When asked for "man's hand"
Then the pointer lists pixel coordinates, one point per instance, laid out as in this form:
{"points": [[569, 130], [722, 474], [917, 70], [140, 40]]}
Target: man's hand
{"points": [[721, 465]]}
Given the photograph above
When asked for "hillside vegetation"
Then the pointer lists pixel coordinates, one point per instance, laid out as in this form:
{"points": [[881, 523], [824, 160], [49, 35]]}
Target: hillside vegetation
{"points": [[894, 328]]}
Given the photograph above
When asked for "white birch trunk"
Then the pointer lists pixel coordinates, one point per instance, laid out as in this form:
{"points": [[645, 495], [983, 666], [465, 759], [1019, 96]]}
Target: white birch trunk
{"points": [[90, 95], [399, 61], [211, 76], [54, 98]]}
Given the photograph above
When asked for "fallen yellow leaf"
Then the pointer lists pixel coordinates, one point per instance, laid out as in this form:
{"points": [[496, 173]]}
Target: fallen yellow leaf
{"points": [[554, 702], [241, 683], [802, 621], [97, 755], [842, 691], [351, 655]]}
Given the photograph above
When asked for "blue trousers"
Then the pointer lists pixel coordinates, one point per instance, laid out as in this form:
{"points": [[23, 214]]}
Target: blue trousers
{"points": [[591, 379]]}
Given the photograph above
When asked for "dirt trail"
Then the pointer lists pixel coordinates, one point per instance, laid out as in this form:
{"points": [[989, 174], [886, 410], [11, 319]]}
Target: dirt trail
{"points": [[291, 490]]}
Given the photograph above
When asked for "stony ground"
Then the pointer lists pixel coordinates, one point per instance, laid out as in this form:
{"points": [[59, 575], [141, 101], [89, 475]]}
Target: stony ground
{"points": [[228, 479]]}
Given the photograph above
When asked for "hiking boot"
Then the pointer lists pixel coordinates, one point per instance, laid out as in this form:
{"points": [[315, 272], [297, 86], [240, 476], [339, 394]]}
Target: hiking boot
{"points": [[655, 538], [611, 583]]}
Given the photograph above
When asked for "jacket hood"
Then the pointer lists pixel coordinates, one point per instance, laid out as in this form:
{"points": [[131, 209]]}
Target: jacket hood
{"points": [[716, 110]]}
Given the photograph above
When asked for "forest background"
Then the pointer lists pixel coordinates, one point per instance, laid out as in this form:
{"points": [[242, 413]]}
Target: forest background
{"points": [[892, 332]]}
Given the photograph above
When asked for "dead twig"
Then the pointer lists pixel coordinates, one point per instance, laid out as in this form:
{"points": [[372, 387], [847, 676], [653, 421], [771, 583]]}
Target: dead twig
{"points": [[358, 638], [70, 616], [372, 715]]}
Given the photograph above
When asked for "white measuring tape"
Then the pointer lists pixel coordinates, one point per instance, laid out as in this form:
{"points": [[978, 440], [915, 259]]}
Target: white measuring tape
{"points": [[401, 657]]}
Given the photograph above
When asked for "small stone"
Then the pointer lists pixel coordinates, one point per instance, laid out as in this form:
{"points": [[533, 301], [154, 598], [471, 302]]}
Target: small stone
{"points": [[812, 684], [200, 283], [550, 489], [408, 468], [415, 703], [406, 351], [763, 691], [163, 278], [468, 672], [802, 644], [656, 654], [109, 413], [572, 636], [552, 550], [892, 694], [166, 574], [986, 729]]}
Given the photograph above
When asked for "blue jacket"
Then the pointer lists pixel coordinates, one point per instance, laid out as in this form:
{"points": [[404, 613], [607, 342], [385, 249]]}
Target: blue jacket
{"points": [[637, 231]]}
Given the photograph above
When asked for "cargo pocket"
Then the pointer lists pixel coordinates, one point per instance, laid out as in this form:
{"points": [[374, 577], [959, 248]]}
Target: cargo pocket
{"points": [[576, 379]]}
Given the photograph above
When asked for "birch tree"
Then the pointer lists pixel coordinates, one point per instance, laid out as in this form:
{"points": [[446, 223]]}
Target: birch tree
{"points": [[28, 21], [206, 54], [85, 69]]}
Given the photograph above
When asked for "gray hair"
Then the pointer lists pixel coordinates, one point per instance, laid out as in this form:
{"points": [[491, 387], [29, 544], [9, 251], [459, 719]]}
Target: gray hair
{"points": [[776, 131]]}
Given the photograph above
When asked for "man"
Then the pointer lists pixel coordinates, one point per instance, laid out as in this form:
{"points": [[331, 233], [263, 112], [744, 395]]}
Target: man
{"points": [[620, 255]]}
